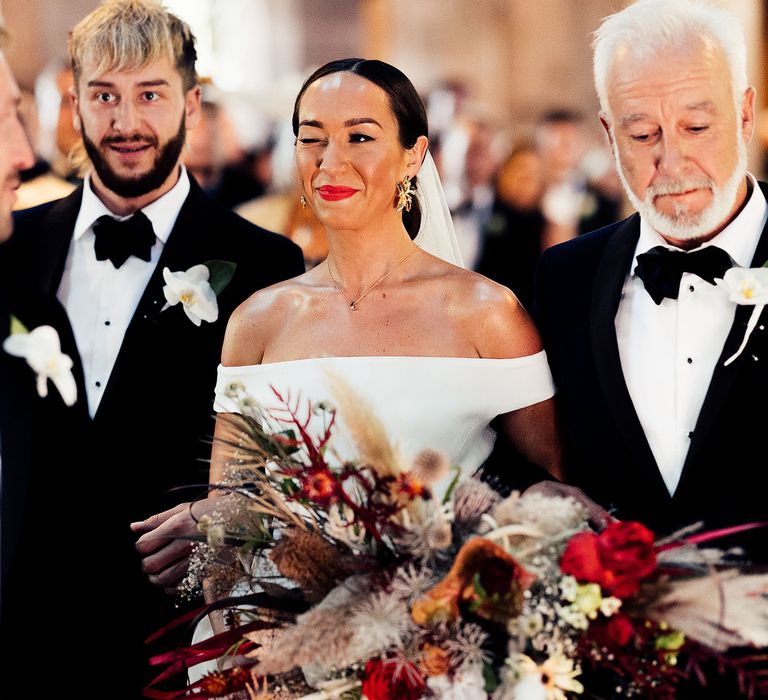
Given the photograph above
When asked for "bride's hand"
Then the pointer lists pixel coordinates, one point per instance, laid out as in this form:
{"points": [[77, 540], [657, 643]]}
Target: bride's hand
{"points": [[166, 541]]}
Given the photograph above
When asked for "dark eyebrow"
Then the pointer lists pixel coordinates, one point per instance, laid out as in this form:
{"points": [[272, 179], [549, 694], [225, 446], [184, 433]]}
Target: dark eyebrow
{"points": [[347, 123], [143, 83], [362, 120]]}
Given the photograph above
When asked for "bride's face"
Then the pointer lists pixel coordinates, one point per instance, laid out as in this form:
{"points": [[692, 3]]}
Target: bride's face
{"points": [[348, 152]]}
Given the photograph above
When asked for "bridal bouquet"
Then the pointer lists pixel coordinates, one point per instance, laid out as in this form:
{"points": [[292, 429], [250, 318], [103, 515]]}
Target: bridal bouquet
{"points": [[354, 581]]}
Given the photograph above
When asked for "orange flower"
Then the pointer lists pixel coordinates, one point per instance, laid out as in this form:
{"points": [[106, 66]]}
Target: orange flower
{"points": [[319, 486], [483, 580], [435, 661], [411, 487]]}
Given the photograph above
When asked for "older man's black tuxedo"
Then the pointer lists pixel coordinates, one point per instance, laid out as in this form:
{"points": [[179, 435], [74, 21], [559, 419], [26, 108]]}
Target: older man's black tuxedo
{"points": [[76, 573], [724, 479]]}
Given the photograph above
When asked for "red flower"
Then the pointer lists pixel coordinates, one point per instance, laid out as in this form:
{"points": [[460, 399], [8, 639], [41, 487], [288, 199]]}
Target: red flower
{"points": [[616, 631], [391, 679], [411, 487], [319, 486], [616, 559]]}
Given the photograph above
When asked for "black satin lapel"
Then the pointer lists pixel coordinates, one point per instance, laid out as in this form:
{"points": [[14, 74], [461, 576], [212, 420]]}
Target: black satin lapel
{"points": [[723, 377], [182, 250], [60, 225], [609, 283]]}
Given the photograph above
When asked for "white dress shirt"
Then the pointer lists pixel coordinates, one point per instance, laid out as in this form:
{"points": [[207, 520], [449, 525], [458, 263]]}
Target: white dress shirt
{"points": [[101, 300], [668, 351]]}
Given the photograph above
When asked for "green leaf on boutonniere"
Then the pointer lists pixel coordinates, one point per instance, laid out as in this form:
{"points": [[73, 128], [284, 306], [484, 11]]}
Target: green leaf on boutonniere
{"points": [[17, 326], [221, 272]]}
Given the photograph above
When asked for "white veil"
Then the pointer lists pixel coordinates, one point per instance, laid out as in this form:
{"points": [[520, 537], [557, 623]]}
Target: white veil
{"points": [[436, 233]]}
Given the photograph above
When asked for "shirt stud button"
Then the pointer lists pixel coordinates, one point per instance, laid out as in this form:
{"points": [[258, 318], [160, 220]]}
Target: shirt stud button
{"points": [[689, 360]]}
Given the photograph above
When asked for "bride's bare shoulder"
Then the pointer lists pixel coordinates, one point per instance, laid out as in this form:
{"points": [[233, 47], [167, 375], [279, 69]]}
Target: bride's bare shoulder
{"points": [[257, 319], [492, 315]]}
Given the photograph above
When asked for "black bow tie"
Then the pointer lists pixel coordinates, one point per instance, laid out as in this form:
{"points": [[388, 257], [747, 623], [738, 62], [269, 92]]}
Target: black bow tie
{"points": [[661, 268], [118, 240]]}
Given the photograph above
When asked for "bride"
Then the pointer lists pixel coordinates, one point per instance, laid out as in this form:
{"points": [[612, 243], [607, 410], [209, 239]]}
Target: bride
{"points": [[438, 350]]}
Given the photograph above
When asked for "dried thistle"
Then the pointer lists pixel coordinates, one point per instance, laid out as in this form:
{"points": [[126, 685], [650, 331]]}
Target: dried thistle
{"points": [[311, 561], [472, 500], [429, 466]]}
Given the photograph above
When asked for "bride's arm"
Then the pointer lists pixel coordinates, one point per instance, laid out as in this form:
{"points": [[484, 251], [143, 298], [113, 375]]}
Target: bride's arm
{"points": [[534, 433], [505, 330]]}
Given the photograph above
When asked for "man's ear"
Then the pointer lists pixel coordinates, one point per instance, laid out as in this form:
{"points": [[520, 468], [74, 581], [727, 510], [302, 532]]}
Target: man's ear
{"points": [[607, 126], [192, 107], [747, 115], [74, 101]]}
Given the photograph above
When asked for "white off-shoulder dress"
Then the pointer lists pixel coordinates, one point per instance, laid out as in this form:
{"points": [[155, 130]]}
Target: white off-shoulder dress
{"points": [[443, 403]]}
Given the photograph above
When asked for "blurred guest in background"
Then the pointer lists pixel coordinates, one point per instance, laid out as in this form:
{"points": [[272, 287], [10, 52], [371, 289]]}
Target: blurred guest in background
{"points": [[39, 183], [512, 238], [571, 204], [471, 200], [280, 208]]}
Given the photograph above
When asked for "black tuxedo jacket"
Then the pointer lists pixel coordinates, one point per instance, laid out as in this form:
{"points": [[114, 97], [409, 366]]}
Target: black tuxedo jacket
{"points": [[17, 406], [90, 478], [724, 479]]}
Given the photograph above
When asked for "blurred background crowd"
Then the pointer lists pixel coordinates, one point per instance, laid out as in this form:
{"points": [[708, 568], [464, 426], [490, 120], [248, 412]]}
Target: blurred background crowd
{"points": [[507, 84]]}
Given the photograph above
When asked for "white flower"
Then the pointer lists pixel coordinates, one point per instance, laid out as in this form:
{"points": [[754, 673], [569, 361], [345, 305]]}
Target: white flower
{"points": [[546, 681], [747, 287], [192, 289], [42, 351], [610, 605], [469, 684]]}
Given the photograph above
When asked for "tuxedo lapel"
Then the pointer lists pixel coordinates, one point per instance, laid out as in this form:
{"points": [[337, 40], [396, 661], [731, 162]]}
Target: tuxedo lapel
{"points": [[36, 282], [183, 249], [609, 283], [723, 377]]}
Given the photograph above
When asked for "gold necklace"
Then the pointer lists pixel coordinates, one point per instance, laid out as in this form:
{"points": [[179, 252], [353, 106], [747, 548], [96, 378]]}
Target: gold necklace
{"points": [[353, 303]]}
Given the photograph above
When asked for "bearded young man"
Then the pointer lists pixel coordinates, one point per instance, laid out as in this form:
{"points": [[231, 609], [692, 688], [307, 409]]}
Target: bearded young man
{"points": [[658, 427], [145, 373]]}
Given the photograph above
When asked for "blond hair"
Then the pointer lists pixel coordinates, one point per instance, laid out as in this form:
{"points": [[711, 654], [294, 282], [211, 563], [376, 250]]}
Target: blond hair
{"points": [[124, 35]]}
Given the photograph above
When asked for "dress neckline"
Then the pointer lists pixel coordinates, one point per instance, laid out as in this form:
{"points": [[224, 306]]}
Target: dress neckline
{"points": [[415, 359]]}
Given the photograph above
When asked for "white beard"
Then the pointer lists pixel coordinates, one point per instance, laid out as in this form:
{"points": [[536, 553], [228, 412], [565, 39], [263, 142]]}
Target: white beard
{"points": [[682, 225]]}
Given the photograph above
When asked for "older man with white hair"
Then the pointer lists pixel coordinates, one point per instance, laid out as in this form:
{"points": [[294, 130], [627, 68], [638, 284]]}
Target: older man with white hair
{"points": [[638, 325]]}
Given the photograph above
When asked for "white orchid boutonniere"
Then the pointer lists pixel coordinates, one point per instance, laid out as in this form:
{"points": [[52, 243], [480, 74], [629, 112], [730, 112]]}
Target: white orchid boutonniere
{"points": [[197, 289], [749, 287], [42, 351]]}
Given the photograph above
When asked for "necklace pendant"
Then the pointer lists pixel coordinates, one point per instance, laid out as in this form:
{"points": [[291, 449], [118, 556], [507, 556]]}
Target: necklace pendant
{"points": [[353, 305]]}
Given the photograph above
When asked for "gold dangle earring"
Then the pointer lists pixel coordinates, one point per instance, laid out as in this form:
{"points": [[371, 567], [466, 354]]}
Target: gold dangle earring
{"points": [[303, 201], [405, 194]]}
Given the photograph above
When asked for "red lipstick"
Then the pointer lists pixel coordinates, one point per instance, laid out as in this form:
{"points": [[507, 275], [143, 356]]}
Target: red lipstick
{"points": [[333, 193]]}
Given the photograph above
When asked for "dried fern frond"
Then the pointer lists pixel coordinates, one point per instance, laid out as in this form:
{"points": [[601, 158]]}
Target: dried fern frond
{"points": [[721, 610]]}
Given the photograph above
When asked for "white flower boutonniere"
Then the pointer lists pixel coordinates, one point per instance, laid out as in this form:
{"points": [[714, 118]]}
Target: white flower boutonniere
{"points": [[749, 287], [42, 351], [197, 289]]}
